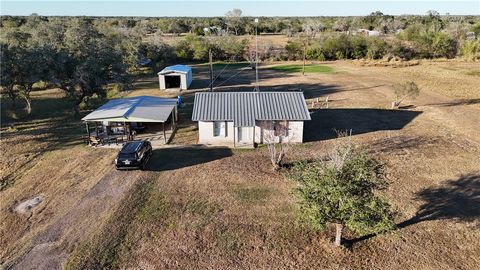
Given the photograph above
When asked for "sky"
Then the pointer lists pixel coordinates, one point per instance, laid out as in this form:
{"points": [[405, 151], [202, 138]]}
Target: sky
{"points": [[199, 8]]}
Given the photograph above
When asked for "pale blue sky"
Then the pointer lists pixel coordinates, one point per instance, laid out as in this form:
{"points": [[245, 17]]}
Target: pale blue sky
{"points": [[250, 8]]}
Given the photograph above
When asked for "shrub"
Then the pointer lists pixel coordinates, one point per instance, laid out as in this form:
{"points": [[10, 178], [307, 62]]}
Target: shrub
{"points": [[471, 50]]}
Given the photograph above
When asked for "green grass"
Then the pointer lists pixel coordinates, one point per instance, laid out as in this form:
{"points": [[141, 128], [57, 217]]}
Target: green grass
{"points": [[311, 68], [227, 65], [253, 195]]}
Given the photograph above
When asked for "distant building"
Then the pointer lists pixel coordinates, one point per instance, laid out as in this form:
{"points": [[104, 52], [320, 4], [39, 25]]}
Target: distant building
{"points": [[368, 33], [470, 36], [177, 77], [242, 119]]}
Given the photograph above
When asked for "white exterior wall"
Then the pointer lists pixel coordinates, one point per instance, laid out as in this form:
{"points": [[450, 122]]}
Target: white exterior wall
{"points": [[249, 134], [189, 79], [295, 132], [205, 134], [185, 80], [161, 80]]}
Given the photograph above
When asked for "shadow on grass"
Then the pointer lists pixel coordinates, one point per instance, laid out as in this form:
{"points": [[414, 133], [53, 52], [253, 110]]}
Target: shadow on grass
{"points": [[325, 122], [175, 158], [457, 200]]}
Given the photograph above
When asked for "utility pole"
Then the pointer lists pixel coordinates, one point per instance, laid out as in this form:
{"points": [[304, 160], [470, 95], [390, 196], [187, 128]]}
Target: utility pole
{"points": [[304, 51], [257, 88], [211, 69]]}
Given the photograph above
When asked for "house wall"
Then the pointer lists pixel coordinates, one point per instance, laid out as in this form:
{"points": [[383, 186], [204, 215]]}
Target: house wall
{"points": [[249, 134], [295, 133], [205, 134]]}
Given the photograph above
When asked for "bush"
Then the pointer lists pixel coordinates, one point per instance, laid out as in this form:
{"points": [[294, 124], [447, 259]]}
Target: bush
{"points": [[471, 50]]}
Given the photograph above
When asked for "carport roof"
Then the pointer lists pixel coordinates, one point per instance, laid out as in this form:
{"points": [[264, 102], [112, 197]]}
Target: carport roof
{"points": [[134, 109], [175, 68]]}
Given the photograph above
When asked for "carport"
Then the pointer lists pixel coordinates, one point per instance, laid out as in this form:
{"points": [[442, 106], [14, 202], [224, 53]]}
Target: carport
{"points": [[132, 118]]}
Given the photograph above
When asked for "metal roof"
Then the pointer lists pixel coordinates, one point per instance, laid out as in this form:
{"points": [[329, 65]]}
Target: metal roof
{"points": [[243, 108], [175, 68], [134, 109]]}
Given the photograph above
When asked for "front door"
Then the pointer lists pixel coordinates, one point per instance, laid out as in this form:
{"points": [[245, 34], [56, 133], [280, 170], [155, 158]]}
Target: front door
{"points": [[243, 134]]}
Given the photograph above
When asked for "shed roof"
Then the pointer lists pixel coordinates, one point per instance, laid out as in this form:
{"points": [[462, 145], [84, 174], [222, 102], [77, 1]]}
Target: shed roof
{"points": [[243, 108], [175, 68], [134, 109]]}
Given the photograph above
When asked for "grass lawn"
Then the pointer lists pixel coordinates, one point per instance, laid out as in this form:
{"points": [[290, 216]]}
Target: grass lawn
{"points": [[311, 68], [219, 208]]}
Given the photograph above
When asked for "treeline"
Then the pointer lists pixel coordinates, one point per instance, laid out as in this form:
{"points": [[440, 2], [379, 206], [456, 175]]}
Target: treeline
{"points": [[234, 23], [84, 56]]}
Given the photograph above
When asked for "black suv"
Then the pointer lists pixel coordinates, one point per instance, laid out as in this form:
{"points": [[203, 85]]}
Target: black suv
{"points": [[134, 155]]}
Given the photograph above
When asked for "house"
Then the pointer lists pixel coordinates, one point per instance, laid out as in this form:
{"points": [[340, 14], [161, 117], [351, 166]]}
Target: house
{"points": [[368, 33], [177, 77], [242, 119], [117, 118]]}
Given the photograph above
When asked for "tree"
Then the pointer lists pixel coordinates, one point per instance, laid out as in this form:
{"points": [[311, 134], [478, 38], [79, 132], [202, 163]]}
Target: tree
{"points": [[277, 136], [404, 90], [9, 71], [34, 66], [340, 190], [234, 19], [87, 63]]}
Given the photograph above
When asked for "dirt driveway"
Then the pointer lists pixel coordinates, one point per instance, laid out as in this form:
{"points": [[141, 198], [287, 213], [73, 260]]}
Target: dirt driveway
{"points": [[50, 248]]}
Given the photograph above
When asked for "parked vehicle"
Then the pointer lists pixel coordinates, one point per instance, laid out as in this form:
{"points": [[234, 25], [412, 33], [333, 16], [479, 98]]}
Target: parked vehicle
{"points": [[134, 155]]}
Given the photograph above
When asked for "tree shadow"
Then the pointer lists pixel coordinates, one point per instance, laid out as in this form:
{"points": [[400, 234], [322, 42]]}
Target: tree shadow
{"points": [[457, 102], [325, 122], [457, 200], [165, 159]]}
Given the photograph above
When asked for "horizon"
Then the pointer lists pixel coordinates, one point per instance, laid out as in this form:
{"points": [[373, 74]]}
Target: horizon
{"points": [[207, 9]]}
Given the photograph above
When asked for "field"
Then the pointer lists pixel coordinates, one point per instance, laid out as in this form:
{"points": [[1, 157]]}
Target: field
{"points": [[221, 208]]}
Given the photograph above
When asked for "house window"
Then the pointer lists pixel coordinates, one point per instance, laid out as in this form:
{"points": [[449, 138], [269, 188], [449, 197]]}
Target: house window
{"points": [[218, 128], [280, 128]]}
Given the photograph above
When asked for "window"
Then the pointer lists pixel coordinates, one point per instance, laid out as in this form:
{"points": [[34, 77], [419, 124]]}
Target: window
{"points": [[218, 128], [280, 128]]}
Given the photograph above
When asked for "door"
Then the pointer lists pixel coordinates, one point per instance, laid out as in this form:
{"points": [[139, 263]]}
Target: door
{"points": [[243, 134]]}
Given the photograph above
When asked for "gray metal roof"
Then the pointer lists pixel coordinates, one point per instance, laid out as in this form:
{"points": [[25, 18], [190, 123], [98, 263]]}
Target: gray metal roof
{"points": [[175, 68], [133, 109], [243, 108]]}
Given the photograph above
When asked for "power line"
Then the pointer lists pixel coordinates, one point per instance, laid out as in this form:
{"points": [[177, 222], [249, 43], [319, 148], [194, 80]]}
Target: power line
{"points": [[244, 68]]}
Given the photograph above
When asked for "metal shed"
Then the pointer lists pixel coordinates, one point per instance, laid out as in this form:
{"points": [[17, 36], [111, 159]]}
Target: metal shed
{"points": [[177, 77]]}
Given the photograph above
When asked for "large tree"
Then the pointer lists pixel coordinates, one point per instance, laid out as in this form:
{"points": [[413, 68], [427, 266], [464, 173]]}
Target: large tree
{"points": [[87, 63], [234, 19], [341, 191]]}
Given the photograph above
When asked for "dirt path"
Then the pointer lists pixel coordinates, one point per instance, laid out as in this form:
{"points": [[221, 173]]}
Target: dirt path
{"points": [[50, 248]]}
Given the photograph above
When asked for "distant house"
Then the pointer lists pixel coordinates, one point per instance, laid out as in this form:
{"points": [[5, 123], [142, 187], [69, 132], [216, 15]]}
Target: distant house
{"points": [[368, 33], [177, 77], [244, 118]]}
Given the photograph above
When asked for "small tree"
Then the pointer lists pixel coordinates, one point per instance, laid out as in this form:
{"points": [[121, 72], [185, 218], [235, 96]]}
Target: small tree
{"points": [[404, 90], [278, 140], [341, 191]]}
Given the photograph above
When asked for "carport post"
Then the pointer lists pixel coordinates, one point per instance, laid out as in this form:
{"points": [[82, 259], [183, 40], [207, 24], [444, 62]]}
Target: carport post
{"points": [[164, 136], [88, 129]]}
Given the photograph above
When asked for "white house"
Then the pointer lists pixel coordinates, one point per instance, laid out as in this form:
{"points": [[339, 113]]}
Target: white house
{"points": [[177, 77], [242, 119]]}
